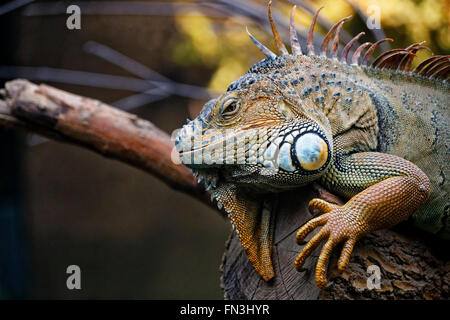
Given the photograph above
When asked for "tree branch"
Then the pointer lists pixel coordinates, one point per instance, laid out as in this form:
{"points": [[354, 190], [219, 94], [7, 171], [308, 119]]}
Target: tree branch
{"points": [[97, 126]]}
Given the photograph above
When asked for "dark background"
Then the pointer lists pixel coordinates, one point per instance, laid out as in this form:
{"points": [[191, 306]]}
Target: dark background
{"points": [[130, 234]]}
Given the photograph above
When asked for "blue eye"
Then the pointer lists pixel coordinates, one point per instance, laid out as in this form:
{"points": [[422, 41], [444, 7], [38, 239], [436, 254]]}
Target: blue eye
{"points": [[311, 151]]}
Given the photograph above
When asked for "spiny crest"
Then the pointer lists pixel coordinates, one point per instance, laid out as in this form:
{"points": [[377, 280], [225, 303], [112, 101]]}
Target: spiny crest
{"points": [[436, 67]]}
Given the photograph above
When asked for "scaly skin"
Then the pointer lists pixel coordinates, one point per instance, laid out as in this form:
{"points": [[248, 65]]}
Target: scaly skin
{"points": [[382, 205], [377, 137]]}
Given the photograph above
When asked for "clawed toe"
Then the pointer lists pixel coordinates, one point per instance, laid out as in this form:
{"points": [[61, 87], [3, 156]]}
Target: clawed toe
{"points": [[334, 229]]}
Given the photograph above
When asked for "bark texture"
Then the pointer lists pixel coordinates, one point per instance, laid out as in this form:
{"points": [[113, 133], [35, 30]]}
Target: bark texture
{"points": [[412, 265]]}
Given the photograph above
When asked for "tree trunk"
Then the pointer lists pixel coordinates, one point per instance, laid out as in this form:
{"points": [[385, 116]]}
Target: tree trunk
{"points": [[408, 268]]}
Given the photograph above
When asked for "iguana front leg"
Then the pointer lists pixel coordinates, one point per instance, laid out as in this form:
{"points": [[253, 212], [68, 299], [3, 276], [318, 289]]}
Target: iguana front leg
{"points": [[252, 219], [386, 189]]}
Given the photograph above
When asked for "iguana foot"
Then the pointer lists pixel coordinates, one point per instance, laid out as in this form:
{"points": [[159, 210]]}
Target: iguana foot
{"points": [[382, 205], [339, 223]]}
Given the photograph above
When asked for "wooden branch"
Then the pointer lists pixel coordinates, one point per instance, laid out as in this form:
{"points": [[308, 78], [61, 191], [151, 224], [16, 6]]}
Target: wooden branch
{"points": [[408, 268], [97, 126]]}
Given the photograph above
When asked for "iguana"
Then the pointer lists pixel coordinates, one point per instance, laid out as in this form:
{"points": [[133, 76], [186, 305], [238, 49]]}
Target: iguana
{"points": [[375, 132]]}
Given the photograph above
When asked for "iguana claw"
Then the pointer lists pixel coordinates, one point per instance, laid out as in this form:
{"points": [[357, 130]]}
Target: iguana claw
{"points": [[338, 224]]}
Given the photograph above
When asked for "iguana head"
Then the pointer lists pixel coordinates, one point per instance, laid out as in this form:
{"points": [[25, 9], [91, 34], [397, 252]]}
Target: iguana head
{"points": [[256, 135], [262, 133]]}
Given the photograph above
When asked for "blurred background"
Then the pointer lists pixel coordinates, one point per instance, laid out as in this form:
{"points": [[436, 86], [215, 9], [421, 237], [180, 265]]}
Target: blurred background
{"points": [[132, 236]]}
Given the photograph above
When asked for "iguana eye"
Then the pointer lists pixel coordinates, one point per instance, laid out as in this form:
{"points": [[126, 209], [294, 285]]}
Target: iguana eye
{"points": [[311, 151], [230, 108]]}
